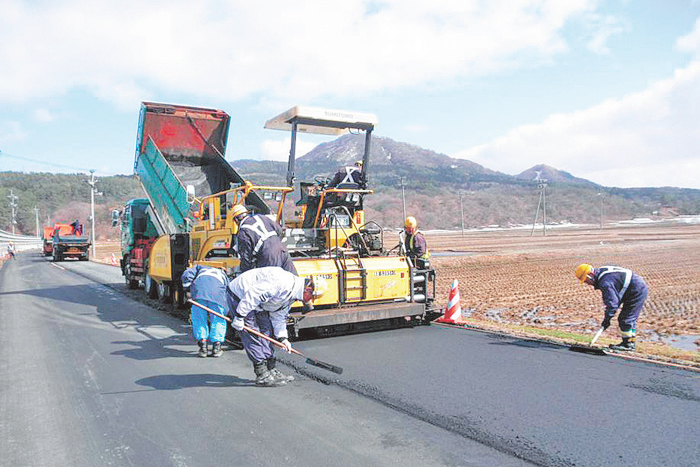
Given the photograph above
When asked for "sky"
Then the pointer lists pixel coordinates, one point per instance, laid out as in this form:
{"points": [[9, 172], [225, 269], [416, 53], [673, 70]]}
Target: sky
{"points": [[606, 90]]}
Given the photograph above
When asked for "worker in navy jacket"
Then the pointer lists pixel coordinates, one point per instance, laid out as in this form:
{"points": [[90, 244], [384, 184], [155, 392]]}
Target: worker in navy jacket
{"points": [[619, 287], [259, 241], [207, 285], [261, 299]]}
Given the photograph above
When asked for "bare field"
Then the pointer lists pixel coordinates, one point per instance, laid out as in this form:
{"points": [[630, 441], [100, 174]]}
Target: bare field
{"points": [[512, 278]]}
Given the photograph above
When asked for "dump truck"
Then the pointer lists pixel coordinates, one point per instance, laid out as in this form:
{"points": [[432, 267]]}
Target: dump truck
{"points": [[180, 165], [67, 243]]}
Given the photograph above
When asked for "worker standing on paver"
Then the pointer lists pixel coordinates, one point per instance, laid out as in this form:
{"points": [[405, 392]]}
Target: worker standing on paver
{"points": [[620, 287], [414, 243], [260, 299], [207, 285], [259, 241]]}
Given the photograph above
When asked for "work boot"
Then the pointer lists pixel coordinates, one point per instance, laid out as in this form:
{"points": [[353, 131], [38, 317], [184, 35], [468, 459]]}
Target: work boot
{"points": [[202, 352], [278, 375], [263, 376], [216, 350], [627, 344]]}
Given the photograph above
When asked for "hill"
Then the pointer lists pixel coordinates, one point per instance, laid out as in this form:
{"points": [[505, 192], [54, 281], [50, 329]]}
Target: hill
{"points": [[439, 190]]}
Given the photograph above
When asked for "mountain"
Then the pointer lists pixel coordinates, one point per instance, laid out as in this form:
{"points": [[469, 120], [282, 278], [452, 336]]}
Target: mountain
{"points": [[439, 190], [551, 175]]}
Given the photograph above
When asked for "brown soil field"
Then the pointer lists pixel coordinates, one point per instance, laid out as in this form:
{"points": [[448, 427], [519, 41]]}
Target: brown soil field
{"points": [[513, 282]]}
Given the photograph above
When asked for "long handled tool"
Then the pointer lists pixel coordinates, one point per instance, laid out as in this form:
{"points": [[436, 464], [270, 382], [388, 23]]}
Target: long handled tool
{"points": [[589, 348], [309, 360]]}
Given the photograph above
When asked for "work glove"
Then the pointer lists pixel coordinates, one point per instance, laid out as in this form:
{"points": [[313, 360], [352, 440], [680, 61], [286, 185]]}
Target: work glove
{"points": [[287, 345], [606, 323], [237, 323]]}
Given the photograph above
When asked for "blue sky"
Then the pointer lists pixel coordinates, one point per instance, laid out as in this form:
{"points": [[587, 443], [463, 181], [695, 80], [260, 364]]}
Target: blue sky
{"points": [[606, 90]]}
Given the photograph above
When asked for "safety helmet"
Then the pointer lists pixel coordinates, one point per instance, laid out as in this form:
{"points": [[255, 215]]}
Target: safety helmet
{"points": [[410, 223], [582, 271], [358, 163], [237, 210]]}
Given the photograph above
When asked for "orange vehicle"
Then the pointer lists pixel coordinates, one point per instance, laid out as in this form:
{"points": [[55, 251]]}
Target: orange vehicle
{"points": [[64, 229], [66, 243]]}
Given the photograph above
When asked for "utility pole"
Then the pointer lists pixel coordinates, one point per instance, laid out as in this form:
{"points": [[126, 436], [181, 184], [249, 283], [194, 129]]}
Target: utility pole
{"points": [[600, 195], [403, 198], [461, 208], [13, 205], [542, 185], [36, 214], [92, 183]]}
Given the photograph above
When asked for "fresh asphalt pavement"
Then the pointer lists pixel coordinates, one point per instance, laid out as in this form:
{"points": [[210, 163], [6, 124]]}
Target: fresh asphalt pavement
{"points": [[90, 376]]}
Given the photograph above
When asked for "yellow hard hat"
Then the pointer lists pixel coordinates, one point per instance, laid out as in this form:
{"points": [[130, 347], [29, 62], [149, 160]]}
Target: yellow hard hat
{"points": [[582, 271], [410, 222], [237, 210]]}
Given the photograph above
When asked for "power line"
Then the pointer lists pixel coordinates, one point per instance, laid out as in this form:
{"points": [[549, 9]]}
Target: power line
{"points": [[35, 161]]}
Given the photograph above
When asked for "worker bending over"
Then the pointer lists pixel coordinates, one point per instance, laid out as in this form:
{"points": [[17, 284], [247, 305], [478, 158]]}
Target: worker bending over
{"points": [[260, 299], [259, 241], [207, 285], [620, 287], [414, 244]]}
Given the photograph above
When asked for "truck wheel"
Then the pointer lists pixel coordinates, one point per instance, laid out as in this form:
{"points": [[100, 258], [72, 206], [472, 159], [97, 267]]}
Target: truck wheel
{"points": [[150, 286], [164, 293], [128, 278]]}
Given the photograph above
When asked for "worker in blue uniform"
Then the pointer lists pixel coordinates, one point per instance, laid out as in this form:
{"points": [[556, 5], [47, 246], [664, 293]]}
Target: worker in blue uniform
{"points": [[259, 241], [260, 299], [207, 285], [619, 287]]}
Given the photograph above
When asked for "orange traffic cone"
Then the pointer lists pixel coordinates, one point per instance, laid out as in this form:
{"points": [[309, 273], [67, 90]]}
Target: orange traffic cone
{"points": [[453, 310]]}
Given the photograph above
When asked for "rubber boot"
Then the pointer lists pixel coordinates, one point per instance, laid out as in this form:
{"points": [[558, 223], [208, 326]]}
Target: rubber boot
{"points": [[216, 350], [202, 352], [263, 377], [627, 344], [278, 375]]}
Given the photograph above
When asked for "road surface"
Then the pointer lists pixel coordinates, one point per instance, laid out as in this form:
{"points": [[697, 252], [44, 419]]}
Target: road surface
{"points": [[89, 376]]}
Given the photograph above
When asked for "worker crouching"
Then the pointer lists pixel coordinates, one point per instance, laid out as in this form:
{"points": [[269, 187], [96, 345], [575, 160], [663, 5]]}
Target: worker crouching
{"points": [[207, 285], [619, 287], [261, 299]]}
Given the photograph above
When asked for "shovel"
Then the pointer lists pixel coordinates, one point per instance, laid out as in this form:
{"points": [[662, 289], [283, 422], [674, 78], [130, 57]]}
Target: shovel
{"points": [[310, 361], [589, 348]]}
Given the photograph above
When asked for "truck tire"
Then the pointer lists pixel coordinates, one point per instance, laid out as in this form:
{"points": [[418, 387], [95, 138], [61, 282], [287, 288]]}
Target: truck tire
{"points": [[151, 286], [164, 294], [130, 281]]}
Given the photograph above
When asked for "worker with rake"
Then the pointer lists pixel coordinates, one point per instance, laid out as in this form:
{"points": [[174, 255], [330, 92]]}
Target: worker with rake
{"points": [[619, 287], [260, 299]]}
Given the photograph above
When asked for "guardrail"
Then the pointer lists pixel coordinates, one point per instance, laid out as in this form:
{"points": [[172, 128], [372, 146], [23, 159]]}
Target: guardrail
{"points": [[21, 242]]}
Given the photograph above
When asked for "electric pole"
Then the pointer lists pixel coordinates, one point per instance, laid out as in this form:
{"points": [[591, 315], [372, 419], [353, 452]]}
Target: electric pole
{"points": [[600, 195], [542, 185], [36, 214], [461, 209], [403, 198], [92, 183], [13, 205]]}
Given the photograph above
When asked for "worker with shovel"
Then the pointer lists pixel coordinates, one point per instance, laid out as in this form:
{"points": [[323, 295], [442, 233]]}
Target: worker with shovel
{"points": [[619, 287], [260, 299], [208, 286]]}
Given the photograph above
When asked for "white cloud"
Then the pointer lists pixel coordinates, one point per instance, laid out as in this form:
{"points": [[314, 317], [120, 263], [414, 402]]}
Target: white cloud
{"points": [[278, 150], [11, 131], [649, 138], [231, 50], [43, 115]]}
